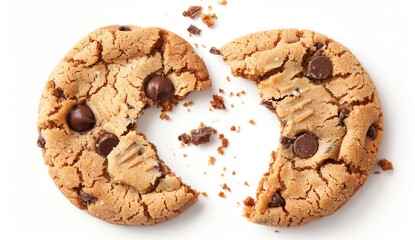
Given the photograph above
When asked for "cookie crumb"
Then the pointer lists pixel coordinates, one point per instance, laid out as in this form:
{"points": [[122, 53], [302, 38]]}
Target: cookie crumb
{"points": [[228, 78], [221, 90], [194, 30], [246, 183], [233, 173], [223, 2], [204, 194], [185, 138], [252, 122], [385, 164], [214, 131], [184, 155], [221, 194], [212, 160], [208, 19], [225, 187], [197, 136], [233, 128], [224, 169], [232, 106], [188, 104], [164, 116], [249, 202], [217, 102], [196, 45], [276, 231], [220, 150], [231, 94], [209, 8], [215, 51], [240, 93], [203, 46], [192, 11], [377, 172]]}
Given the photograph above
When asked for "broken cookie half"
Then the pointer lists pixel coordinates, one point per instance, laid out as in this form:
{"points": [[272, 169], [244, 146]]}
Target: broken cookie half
{"points": [[330, 116], [87, 127]]}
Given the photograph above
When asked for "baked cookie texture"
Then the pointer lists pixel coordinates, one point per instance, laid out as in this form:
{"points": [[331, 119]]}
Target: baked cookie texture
{"points": [[87, 122], [330, 116]]}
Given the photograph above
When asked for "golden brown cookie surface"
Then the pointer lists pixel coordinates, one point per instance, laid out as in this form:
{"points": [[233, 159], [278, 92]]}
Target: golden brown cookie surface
{"points": [[331, 122], [87, 122]]}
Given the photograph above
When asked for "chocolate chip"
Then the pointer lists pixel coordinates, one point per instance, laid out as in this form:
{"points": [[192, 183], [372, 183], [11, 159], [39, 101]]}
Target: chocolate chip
{"points": [[343, 114], [371, 132], [318, 68], [269, 105], [192, 11], [86, 198], [41, 141], [194, 30], [305, 146], [159, 88], [201, 135], [318, 45], [184, 138], [105, 143], [277, 201], [286, 142], [59, 93], [81, 118], [215, 51], [124, 28]]}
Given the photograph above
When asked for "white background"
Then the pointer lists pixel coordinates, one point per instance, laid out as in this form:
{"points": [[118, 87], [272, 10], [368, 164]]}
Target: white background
{"points": [[36, 34]]}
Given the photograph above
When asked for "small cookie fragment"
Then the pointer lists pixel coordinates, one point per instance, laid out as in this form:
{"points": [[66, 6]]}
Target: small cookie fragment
{"points": [[197, 136], [223, 2], [185, 138], [194, 30], [385, 164], [208, 19], [225, 187], [214, 51], [221, 194], [192, 11], [217, 102], [201, 135], [212, 160], [249, 202]]}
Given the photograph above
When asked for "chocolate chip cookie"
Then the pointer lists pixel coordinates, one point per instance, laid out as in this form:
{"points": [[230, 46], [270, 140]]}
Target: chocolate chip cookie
{"points": [[96, 154], [330, 116]]}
